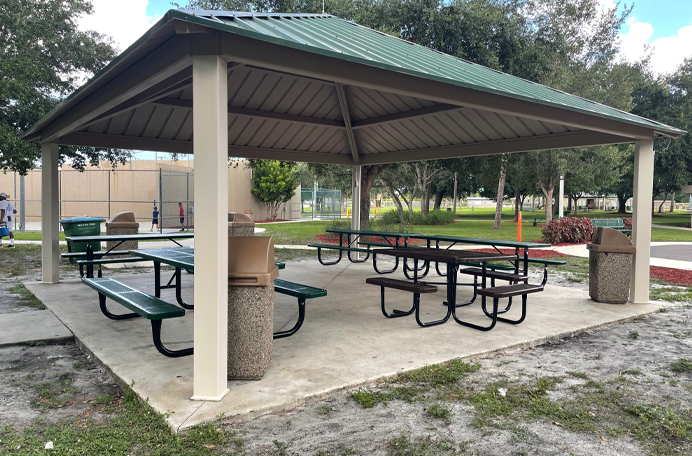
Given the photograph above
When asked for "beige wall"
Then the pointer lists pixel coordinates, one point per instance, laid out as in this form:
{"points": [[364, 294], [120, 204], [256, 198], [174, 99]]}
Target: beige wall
{"points": [[133, 187]]}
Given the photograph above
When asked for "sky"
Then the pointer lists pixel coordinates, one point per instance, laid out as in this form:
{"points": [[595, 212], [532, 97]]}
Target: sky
{"points": [[663, 25]]}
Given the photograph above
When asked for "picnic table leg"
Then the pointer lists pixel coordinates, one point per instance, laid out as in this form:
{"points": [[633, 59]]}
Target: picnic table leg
{"points": [[327, 263], [157, 279], [89, 257], [374, 264], [451, 297], [483, 303], [299, 323], [179, 291], [398, 313], [112, 316], [156, 334]]}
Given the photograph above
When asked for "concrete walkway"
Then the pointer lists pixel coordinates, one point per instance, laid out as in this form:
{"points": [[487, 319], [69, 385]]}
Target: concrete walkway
{"points": [[32, 326], [663, 254], [345, 341]]}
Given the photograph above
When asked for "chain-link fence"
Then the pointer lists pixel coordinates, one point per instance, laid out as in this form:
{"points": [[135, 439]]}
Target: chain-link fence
{"points": [[104, 193], [325, 204]]}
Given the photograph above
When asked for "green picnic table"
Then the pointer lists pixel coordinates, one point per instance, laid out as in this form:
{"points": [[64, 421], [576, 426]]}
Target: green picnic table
{"points": [[353, 240]]}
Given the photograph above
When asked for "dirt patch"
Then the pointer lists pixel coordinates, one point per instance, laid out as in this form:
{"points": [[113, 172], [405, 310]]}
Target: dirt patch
{"points": [[586, 395], [47, 383]]}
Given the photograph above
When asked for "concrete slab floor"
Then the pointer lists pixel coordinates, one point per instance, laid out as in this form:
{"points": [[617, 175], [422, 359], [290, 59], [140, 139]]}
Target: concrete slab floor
{"points": [[31, 326], [344, 342]]}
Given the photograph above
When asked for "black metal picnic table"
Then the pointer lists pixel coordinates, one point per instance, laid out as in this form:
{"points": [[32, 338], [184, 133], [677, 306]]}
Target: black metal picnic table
{"points": [[453, 258], [178, 257], [494, 243]]}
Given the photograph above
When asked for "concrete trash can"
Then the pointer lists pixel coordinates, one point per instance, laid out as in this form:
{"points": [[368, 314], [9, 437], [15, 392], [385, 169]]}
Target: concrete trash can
{"points": [[610, 266], [119, 224], [240, 225], [251, 274]]}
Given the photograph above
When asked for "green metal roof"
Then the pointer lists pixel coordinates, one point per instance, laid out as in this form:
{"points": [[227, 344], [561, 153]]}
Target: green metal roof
{"points": [[330, 35]]}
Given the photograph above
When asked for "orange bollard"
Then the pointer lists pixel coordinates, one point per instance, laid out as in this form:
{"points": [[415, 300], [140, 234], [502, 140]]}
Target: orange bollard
{"points": [[519, 228]]}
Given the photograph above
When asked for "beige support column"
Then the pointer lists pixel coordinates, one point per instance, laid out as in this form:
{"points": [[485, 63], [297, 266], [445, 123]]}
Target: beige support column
{"points": [[210, 133], [641, 219], [355, 204], [50, 213]]}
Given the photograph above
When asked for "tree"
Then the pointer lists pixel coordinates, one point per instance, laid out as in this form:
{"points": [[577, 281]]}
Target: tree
{"points": [[43, 58], [274, 183]]}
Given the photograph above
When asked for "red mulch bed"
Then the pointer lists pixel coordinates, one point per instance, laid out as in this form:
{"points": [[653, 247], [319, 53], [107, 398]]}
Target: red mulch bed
{"points": [[678, 276], [534, 253], [271, 221]]}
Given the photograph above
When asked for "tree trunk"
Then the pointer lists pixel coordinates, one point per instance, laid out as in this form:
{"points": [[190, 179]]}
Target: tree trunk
{"points": [[516, 204], [548, 192], [521, 205], [368, 175], [660, 206], [622, 202], [438, 200], [672, 203], [569, 203], [425, 201], [500, 193], [576, 206], [397, 202]]}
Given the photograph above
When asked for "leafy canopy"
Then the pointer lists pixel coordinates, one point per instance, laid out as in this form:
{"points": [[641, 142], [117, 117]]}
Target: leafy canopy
{"points": [[43, 58], [274, 183]]}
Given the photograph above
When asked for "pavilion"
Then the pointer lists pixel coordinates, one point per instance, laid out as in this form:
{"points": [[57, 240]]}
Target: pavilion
{"points": [[312, 88]]}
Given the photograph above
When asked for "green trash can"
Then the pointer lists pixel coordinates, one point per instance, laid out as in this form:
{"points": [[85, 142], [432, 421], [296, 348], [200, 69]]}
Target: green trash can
{"points": [[82, 226]]}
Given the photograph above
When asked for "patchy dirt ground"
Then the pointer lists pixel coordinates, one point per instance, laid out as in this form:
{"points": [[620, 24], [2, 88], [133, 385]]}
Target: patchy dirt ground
{"points": [[621, 390]]}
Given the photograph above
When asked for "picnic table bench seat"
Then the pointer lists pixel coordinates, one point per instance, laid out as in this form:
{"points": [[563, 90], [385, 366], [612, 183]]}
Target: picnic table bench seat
{"points": [[302, 292], [614, 223], [141, 304], [404, 285], [509, 276], [508, 291]]}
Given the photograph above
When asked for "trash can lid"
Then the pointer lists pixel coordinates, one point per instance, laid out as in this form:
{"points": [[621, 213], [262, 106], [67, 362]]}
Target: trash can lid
{"points": [[236, 219], [123, 220], [82, 219], [609, 240]]}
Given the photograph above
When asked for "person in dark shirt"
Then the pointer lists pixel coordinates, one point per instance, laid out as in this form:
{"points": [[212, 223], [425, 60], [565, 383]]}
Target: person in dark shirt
{"points": [[155, 219]]}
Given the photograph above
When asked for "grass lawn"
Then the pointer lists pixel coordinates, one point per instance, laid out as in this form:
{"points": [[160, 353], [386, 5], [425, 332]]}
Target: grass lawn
{"points": [[302, 233]]}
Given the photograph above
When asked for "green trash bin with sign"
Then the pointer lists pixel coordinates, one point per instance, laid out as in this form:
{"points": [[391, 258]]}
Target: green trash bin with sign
{"points": [[82, 226]]}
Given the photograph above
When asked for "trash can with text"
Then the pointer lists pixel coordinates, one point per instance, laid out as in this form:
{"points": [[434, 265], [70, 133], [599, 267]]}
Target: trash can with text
{"points": [[610, 266], [82, 226], [251, 274]]}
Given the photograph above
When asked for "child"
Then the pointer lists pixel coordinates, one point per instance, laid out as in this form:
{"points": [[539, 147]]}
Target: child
{"points": [[181, 214], [155, 219]]}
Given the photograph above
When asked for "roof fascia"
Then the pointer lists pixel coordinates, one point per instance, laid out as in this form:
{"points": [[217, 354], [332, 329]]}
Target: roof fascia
{"points": [[186, 147], [163, 62], [553, 141]]}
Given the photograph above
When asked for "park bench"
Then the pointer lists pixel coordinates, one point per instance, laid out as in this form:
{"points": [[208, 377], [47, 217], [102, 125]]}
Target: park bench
{"points": [[614, 223], [302, 292], [141, 304], [537, 220], [403, 285], [156, 309]]}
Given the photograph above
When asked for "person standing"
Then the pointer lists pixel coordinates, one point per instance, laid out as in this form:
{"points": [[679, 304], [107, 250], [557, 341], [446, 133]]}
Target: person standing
{"points": [[181, 214], [7, 212], [155, 219]]}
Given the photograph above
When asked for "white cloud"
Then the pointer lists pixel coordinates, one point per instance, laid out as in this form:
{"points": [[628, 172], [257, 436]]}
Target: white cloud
{"points": [[123, 20], [667, 53]]}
